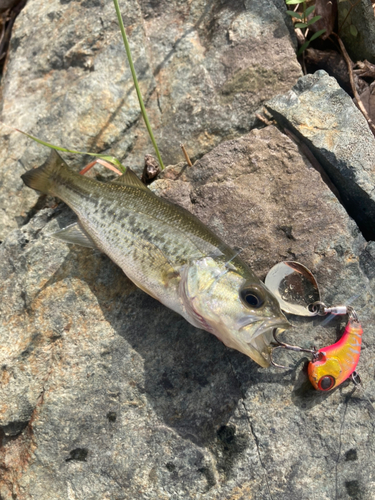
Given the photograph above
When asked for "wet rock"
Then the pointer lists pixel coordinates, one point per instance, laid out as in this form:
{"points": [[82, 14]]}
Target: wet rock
{"points": [[124, 399], [325, 118], [358, 30], [203, 68]]}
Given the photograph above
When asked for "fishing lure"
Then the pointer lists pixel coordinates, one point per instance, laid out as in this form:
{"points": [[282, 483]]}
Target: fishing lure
{"points": [[334, 364], [330, 366]]}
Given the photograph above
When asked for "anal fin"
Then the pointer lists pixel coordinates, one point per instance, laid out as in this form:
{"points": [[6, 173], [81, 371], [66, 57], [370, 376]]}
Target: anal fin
{"points": [[75, 235]]}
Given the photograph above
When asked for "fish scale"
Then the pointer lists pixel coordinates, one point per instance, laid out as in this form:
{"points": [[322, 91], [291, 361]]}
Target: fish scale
{"points": [[168, 253]]}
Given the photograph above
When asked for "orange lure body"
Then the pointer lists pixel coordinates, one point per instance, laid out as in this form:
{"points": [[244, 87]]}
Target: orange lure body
{"points": [[332, 365]]}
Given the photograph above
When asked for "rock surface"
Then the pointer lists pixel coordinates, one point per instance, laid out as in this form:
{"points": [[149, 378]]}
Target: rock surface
{"points": [[325, 118], [358, 30], [105, 393], [204, 69]]}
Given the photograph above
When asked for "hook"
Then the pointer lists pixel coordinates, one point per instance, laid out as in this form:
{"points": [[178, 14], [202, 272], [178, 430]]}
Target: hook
{"points": [[353, 315], [356, 379], [283, 345]]}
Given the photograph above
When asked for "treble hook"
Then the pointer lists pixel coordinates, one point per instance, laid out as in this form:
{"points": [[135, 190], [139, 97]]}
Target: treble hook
{"points": [[283, 345], [356, 379]]}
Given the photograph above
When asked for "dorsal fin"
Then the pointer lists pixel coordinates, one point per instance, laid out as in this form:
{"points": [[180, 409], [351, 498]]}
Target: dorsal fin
{"points": [[129, 178]]}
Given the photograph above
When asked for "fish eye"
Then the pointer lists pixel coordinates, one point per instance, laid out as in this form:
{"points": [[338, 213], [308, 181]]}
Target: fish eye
{"points": [[326, 383], [252, 297]]}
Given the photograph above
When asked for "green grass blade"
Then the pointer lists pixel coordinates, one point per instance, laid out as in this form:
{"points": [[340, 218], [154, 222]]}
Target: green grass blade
{"points": [[143, 109], [303, 47], [313, 20], [309, 10], [317, 35], [110, 159], [297, 15]]}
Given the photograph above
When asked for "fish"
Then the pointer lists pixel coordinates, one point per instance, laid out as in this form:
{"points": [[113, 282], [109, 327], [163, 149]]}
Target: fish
{"points": [[334, 364], [168, 253]]}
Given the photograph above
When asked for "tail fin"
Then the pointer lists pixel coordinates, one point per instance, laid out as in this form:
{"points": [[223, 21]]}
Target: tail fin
{"points": [[43, 177]]}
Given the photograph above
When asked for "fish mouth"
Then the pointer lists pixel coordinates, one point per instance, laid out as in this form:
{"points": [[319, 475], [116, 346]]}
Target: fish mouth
{"points": [[259, 340], [268, 324]]}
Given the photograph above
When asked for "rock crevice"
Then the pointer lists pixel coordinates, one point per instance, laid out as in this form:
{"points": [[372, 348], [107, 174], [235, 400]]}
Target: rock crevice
{"points": [[324, 117]]}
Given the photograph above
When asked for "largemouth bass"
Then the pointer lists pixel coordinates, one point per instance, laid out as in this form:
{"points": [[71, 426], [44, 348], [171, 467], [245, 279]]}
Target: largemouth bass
{"points": [[168, 253]]}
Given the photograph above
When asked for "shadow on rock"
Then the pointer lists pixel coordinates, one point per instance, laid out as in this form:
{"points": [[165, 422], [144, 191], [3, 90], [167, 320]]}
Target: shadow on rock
{"points": [[193, 382], [187, 376]]}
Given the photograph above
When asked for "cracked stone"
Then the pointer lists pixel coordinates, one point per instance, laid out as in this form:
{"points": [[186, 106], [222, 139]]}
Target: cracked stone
{"points": [[326, 119]]}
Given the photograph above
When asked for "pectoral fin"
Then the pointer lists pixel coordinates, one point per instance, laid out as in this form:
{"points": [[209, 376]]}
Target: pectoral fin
{"points": [[74, 234]]}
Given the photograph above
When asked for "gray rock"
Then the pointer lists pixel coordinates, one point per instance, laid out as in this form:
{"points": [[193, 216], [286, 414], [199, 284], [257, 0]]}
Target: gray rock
{"points": [[105, 393], [358, 30], [325, 118], [204, 69]]}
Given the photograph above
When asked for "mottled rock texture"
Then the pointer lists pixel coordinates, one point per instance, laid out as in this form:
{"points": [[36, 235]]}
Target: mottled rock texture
{"points": [[325, 118], [107, 394], [204, 69]]}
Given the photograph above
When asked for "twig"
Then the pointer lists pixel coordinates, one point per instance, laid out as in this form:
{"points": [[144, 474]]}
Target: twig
{"points": [[263, 119], [349, 63], [301, 38], [365, 69], [186, 155], [305, 37]]}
